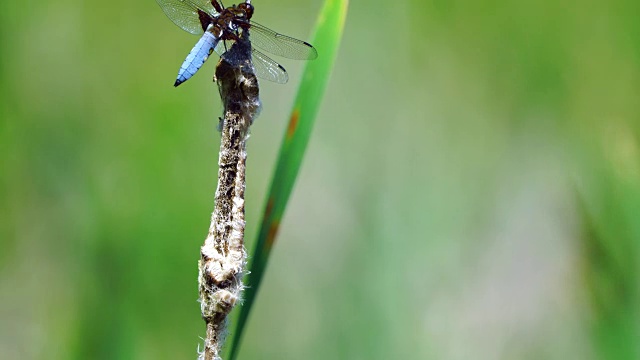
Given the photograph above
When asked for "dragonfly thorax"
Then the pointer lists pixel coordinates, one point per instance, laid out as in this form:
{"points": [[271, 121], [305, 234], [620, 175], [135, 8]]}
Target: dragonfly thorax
{"points": [[230, 20]]}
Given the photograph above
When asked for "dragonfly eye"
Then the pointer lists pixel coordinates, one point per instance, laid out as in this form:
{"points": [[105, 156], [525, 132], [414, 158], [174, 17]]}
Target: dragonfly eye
{"points": [[248, 10]]}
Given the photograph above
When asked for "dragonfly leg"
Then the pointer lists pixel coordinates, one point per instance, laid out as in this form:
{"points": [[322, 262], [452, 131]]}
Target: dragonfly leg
{"points": [[217, 5]]}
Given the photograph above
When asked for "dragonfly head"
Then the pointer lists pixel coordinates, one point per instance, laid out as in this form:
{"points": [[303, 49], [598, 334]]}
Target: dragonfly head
{"points": [[247, 8]]}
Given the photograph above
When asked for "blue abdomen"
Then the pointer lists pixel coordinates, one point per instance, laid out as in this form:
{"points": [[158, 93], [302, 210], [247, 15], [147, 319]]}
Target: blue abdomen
{"points": [[198, 55]]}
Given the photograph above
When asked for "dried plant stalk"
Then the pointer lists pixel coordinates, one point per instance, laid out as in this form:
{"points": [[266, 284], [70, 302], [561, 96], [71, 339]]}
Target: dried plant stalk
{"points": [[223, 256]]}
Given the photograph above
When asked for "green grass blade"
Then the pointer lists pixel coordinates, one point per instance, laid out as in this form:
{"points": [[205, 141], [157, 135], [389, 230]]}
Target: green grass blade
{"points": [[327, 37], [611, 249]]}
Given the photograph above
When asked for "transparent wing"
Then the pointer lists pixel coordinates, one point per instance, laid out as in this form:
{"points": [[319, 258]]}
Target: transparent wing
{"points": [[267, 68], [184, 13], [222, 47], [281, 45]]}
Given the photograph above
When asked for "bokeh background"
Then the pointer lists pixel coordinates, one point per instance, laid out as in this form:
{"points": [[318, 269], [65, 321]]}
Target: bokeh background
{"points": [[471, 189]]}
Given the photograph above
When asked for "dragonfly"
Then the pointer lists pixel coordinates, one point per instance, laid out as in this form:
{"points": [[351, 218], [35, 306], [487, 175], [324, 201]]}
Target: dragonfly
{"points": [[217, 25]]}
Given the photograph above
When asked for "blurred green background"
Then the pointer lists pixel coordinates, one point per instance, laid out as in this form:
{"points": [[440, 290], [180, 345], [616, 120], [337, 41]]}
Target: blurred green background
{"points": [[471, 190]]}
